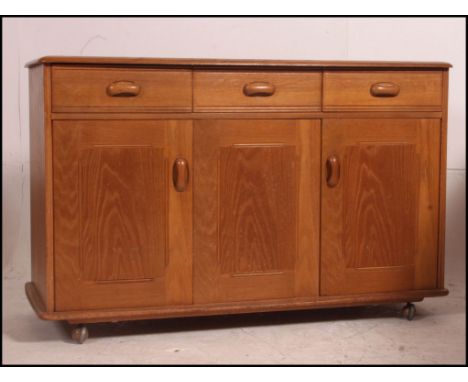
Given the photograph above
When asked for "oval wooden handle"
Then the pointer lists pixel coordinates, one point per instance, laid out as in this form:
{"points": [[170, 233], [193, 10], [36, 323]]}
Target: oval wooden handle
{"points": [[123, 89], [259, 89], [180, 174], [385, 89], [333, 171]]}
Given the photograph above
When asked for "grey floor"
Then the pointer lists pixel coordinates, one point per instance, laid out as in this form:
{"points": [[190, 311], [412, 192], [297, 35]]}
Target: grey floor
{"points": [[362, 335]]}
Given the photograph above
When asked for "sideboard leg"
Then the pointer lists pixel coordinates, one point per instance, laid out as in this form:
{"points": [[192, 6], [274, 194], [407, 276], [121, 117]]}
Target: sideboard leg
{"points": [[80, 333], [409, 311]]}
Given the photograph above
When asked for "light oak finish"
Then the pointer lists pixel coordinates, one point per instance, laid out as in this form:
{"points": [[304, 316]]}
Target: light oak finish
{"points": [[83, 89], [40, 138], [256, 210], [443, 180], [379, 221], [382, 90], [203, 62], [103, 315], [247, 115], [256, 91], [169, 188], [122, 232], [39, 271]]}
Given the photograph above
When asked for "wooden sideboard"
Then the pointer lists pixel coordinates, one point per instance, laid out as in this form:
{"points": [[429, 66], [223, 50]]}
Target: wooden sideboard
{"points": [[178, 187]]}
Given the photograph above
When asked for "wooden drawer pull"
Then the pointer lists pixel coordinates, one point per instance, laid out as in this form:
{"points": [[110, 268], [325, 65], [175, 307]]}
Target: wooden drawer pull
{"points": [[333, 171], [385, 89], [180, 174], [259, 89], [123, 89]]}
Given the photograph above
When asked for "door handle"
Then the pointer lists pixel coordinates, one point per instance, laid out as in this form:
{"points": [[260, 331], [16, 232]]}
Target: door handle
{"points": [[333, 171], [180, 174]]}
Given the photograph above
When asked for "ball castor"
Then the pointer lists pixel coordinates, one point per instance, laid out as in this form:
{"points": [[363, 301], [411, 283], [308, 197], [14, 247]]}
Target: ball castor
{"points": [[80, 333], [409, 311]]}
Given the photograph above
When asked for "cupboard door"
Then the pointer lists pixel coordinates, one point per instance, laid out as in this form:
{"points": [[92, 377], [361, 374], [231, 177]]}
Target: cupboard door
{"points": [[380, 207], [122, 232], [256, 209]]}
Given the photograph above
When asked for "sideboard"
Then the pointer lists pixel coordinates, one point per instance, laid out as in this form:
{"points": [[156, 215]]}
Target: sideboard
{"points": [[188, 187]]}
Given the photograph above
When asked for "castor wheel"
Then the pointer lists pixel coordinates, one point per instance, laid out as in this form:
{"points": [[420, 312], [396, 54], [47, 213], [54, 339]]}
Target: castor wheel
{"points": [[408, 311], [79, 333]]}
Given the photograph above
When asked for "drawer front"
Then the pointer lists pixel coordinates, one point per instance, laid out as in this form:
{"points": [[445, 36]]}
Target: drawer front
{"points": [[120, 90], [257, 91], [382, 90]]}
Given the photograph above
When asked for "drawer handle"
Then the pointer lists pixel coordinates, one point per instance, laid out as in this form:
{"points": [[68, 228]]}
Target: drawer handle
{"points": [[333, 171], [385, 89], [259, 89], [180, 174], [123, 89]]}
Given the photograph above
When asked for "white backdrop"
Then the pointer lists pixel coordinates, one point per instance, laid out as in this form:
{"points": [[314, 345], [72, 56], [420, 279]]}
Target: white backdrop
{"points": [[400, 39]]}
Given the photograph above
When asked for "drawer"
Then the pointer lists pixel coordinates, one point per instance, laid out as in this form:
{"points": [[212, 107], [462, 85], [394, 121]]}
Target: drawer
{"points": [[78, 89], [257, 91], [382, 90]]}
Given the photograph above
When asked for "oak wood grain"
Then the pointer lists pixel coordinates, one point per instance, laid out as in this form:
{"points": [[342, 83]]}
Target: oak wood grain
{"points": [[255, 209], [352, 90], [379, 225], [112, 225], [225, 91], [115, 229], [42, 267], [216, 62], [249, 115], [40, 177], [257, 189], [122, 237], [106, 315], [379, 201], [443, 181], [78, 89]]}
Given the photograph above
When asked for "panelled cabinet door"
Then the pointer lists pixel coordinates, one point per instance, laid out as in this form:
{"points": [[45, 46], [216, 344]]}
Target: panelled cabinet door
{"points": [[380, 207], [256, 209], [122, 232]]}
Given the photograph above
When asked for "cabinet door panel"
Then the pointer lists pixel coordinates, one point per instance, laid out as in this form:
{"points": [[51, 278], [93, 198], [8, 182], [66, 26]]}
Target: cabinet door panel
{"points": [[122, 233], [256, 209], [379, 223]]}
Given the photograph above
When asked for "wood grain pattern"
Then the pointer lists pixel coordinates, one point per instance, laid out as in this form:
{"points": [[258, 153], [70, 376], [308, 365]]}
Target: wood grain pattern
{"points": [[216, 62], [40, 177], [259, 216], [257, 208], [248, 115], [379, 202], [81, 89], [114, 236], [321, 302], [351, 90], [443, 181], [225, 91], [379, 226], [111, 234], [122, 237]]}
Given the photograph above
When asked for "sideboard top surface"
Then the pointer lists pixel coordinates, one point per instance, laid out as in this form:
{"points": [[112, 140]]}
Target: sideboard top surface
{"points": [[220, 63]]}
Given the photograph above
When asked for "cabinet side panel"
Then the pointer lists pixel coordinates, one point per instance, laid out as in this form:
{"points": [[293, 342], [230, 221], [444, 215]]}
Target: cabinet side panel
{"points": [[41, 273], [443, 180]]}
